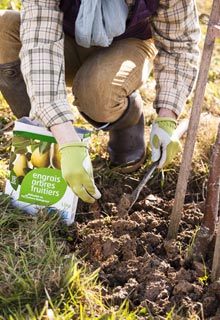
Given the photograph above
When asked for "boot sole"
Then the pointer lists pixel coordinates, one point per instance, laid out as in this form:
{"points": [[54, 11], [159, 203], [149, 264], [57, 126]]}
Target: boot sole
{"points": [[130, 168]]}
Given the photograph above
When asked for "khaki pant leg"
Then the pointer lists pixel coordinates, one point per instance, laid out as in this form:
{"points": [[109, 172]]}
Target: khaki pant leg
{"points": [[10, 44], [74, 57], [110, 75]]}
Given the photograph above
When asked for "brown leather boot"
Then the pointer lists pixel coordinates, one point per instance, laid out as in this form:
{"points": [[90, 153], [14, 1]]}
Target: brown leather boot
{"points": [[126, 146], [13, 89]]}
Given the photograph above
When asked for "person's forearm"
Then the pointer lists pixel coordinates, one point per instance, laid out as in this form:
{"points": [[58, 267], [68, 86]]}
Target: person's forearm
{"points": [[64, 133], [163, 112]]}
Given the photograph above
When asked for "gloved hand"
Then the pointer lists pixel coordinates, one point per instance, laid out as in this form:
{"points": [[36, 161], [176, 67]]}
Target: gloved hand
{"points": [[164, 142], [77, 171]]}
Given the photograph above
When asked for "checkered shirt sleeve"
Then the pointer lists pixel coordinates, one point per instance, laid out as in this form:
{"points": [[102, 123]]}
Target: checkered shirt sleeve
{"points": [[42, 61], [176, 31]]}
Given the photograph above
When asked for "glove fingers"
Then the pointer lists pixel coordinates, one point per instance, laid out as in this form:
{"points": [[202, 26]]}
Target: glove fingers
{"points": [[86, 196], [155, 154], [96, 194], [89, 182], [80, 191], [172, 149], [163, 135], [91, 189], [163, 159], [88, 191], [77, 171]]}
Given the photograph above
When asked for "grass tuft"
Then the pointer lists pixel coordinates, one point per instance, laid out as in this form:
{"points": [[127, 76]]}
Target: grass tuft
{"points": [[40, 278]]}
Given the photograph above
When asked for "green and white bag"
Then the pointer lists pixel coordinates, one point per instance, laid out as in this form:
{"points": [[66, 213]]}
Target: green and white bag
{"points": [[35, 180]]}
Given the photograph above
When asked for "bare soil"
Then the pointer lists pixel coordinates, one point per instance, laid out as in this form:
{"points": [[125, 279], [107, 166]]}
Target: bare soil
{"points": [[136, 261]]}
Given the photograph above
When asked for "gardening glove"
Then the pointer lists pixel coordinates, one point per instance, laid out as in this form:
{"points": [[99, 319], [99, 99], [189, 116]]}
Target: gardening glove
{"points": [[164, 141], [77, 171]]}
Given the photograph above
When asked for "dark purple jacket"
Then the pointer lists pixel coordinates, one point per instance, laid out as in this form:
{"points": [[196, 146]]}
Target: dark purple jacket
{"points": [[137, 26]]}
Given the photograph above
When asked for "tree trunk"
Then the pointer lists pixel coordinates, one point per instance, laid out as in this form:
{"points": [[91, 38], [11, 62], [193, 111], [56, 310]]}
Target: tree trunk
{"points": [[212, 33]]}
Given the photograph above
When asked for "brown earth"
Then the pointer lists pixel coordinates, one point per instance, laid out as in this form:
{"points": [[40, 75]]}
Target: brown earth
{"points": [[136, 261]]}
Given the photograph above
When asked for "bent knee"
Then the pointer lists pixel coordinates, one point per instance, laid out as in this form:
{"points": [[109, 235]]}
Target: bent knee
{"points": [[97, 94], [98, 101]]}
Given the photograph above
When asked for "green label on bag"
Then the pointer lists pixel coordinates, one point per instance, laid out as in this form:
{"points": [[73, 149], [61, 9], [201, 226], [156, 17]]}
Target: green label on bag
{"points": [[43, 186]]}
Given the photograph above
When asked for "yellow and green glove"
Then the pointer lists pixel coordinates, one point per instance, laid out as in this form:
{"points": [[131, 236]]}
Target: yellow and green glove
{"points": [[164, 142], [77, 171]]}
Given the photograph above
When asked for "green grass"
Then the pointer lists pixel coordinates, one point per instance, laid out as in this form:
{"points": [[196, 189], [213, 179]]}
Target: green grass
{"points": [[39, 274]]}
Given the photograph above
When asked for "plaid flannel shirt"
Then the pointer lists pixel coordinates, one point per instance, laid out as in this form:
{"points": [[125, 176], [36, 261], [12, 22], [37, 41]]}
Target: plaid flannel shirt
{"points": [[175, 29]]}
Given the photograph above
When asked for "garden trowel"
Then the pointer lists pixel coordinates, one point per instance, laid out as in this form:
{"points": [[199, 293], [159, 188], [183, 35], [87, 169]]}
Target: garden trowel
{"points": [[128, 200]]}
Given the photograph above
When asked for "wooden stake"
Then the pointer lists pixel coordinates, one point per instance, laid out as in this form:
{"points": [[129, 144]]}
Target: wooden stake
{"points": [[213, 188], [194, 122], [208, 225], [215, 275]]}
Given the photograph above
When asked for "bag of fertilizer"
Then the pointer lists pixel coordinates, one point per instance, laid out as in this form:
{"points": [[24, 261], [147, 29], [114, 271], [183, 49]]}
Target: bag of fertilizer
{"points": [[35, 180]]}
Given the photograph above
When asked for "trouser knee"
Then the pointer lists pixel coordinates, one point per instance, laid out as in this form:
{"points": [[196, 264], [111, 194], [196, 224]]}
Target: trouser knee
{"points": [[106, 79], [98, 103]]}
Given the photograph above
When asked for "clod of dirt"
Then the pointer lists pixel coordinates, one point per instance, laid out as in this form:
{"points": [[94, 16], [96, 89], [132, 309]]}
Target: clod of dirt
{"points": [[124, 204], [171, 248]]}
